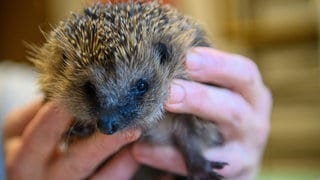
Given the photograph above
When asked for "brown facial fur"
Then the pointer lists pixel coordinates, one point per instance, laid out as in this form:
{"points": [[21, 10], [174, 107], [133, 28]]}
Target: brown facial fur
{"points": [[93, 63]]}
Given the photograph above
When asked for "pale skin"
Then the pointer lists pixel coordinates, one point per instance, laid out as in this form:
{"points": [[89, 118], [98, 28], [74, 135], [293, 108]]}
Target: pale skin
{"points": [[240, 104]]}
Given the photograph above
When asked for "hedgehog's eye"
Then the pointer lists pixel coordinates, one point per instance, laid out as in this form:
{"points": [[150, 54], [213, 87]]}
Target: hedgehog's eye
{"points": [[142, 87], [163, 51], [89, 89]]}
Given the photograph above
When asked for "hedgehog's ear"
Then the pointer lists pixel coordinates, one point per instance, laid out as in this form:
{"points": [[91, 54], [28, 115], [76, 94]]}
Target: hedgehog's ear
{"points": [[163, 51]]}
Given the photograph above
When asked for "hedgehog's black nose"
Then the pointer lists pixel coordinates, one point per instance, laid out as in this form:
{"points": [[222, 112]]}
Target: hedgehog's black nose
{"points": [[108, 124]]}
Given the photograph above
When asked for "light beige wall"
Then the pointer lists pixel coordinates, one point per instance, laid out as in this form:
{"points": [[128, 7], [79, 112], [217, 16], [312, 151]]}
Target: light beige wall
{"points": [[57, 10], [207, 13], [215, 16]]}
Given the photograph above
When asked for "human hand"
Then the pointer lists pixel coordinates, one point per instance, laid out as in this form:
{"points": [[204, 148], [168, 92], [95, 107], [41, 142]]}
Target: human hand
{"points": [[230, 92], [32, 136]]}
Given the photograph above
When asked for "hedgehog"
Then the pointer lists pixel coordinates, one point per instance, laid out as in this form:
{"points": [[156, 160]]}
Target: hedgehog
{"points": [[111, 66]]}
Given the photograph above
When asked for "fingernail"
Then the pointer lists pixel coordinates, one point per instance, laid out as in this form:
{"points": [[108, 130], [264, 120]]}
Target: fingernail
{"points": [[177, 93], [194, 60], [131, 135]]}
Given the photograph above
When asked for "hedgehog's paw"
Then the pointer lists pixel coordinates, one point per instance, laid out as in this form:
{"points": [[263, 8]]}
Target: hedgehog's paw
{"points": [[205, 170]]}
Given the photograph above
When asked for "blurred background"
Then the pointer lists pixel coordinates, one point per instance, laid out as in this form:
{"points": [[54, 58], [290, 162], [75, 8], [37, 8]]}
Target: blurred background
{"points": [[281, 36]]}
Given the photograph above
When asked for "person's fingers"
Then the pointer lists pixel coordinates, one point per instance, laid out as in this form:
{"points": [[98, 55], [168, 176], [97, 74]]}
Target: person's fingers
{"points": [[226, 108], [18, 119], [83, 157], [47, 128], [121, 166], [11, 147], [160, 157], [40, 138], [231, 71], [169, 159], [239, 159]]}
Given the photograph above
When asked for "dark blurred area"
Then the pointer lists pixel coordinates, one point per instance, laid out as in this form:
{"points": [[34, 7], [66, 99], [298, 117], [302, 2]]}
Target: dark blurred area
{"points": [[281, 36], [20, 22]]}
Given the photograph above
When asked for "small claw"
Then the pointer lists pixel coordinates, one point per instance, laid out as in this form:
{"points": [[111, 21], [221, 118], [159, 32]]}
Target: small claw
{"points": [[210, 176], [218, 165], [217, 176], [207, 172]]}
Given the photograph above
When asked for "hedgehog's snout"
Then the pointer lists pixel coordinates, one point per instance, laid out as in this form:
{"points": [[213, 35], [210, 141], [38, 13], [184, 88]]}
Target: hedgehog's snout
{"points": [[122, 114], [109, 124]]}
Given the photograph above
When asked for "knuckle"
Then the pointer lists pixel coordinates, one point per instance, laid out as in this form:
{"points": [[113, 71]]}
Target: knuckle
{"points": [[237, 117], [251, 65], [252, 74], [251, 70], [238, 111]]}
